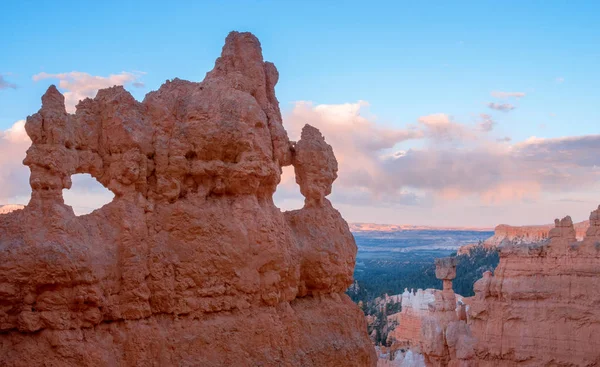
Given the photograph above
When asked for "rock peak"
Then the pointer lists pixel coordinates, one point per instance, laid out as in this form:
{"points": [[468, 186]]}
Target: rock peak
{"points": [[53, 99], [315, 166], [192, 260]]}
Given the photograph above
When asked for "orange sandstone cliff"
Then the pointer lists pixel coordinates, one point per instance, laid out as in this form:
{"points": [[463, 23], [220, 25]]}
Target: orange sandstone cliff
{"points": [[539, 308], [504, 233], [191, 264], [432, 327]]}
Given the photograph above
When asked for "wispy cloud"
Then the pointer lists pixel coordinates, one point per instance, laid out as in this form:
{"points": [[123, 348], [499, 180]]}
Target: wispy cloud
{"points": [[499, 94], [440, 126], [560, 79], [486, 122], [4, 84], [504, 107], [79, 85]]}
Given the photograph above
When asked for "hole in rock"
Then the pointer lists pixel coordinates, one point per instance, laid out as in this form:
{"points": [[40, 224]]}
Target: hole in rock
{"points": [[86, 194], [288, 196]]}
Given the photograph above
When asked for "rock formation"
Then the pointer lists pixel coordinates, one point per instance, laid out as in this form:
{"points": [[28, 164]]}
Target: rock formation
{"points": [[191, 263], [504, 233], [432, 324], [540, 307], [529, 234]]}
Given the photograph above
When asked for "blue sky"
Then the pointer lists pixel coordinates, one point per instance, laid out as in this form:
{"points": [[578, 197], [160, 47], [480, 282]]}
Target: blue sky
{"points": [[407, 60]]}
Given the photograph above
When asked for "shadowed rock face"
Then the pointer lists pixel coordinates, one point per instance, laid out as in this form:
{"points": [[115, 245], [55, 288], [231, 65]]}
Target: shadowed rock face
{"points": [[192, 263]]}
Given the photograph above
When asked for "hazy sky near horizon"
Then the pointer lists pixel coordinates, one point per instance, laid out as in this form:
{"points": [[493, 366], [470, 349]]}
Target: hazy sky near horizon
{"points": [[468, 113]]}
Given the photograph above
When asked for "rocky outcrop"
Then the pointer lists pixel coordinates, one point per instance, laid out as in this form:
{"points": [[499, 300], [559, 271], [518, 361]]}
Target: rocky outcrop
{"points": [[504, 233], [540, 307], [529, 234], [191, 263], [433, 324]]}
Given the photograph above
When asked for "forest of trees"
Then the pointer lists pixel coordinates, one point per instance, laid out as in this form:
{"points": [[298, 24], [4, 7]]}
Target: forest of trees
{"points": [[377, 277]]}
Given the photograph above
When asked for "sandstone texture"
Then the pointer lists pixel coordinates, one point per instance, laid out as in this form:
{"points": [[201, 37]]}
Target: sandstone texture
{"points": [[529, 234], [504, 233], [540, 307], [191, 264], [433, 325]]}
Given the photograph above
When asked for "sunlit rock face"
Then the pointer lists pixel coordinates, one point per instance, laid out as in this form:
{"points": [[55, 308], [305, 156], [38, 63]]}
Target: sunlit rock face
{"points": [[432, 326], [540, 307], [505, 234], [191, 263]]}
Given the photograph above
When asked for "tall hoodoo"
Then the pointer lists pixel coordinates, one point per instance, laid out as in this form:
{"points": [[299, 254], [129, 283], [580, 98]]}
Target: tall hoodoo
{"points": [[191, 263], [540, 305]]}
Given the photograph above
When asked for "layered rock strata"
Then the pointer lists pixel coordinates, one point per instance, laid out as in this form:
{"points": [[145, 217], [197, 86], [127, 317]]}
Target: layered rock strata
{"points": [[504, 233], [530, 234], [191, 264], [540, 307]]}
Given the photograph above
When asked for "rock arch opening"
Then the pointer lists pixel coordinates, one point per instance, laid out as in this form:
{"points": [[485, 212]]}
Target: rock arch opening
{"points": [[288, 196], [86, 194]]}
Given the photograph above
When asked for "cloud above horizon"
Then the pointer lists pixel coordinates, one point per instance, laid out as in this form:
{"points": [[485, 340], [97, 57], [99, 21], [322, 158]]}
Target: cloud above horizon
{"points": [[387, 166], [499, 94], [4, 84], [476, 165], [486, 122], [77, 85], [14, 176], [504, 107]]}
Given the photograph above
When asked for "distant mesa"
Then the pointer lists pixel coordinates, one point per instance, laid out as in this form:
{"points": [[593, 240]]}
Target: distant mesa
{"points": [[506, 234], [373, 227]]}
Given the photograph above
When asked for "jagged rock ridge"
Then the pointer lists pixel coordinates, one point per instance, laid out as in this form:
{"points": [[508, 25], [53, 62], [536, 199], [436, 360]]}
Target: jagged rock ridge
{"points": [[191, 263], [538, 308], [505, 233]]}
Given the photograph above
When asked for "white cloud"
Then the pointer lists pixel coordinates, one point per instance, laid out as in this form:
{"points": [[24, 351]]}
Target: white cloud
{"points": [[4, 84], [477, 164], [487, 123], [504, 107], [440, 126], [560, 80], [77, 85], [499, 94], [14, 176]]}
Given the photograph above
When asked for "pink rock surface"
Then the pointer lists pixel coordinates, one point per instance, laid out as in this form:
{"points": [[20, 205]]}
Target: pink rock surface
{"points": [[191, 263], [504, 233], [432, 323], [540, 307]]}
